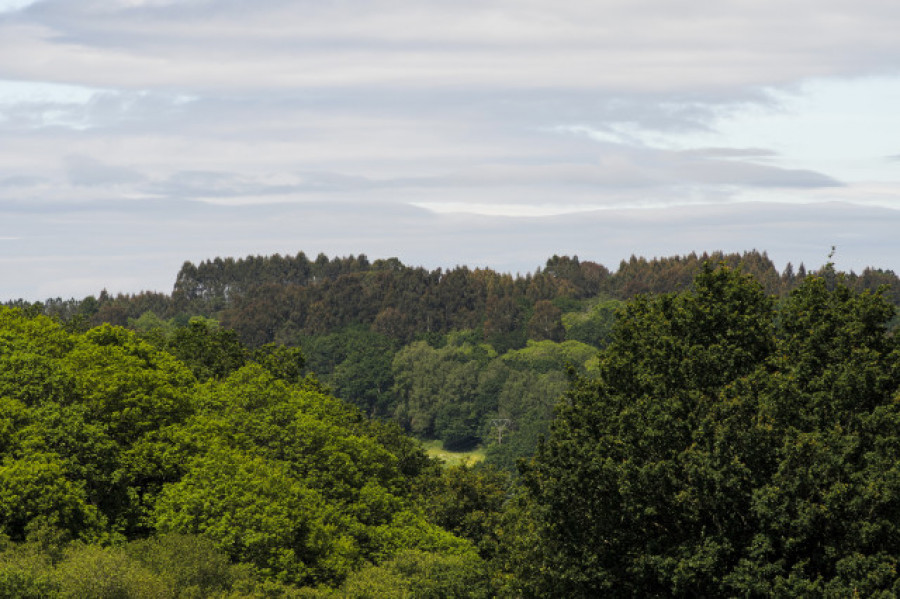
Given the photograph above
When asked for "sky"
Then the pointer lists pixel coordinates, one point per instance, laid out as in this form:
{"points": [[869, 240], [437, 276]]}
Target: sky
{"points": [[136, 135]]}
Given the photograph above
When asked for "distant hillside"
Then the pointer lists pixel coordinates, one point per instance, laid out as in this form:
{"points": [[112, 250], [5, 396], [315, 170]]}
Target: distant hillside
{"points": [[283, 298]]}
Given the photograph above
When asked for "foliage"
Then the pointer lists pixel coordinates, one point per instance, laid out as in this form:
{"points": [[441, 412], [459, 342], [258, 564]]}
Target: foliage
{"points": [[166, 567], [544, 357], [454, 392], [727, 449], [419, 574], [724, 443], [356, 363], [210, 351], [470, 502], [261, 515], [162, 480], [438, 390], [281, 299], [546, 322], [594, 325]]}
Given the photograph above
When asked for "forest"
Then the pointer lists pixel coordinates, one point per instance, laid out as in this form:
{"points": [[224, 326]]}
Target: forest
{"points": [[445, 354], [689, 426]]}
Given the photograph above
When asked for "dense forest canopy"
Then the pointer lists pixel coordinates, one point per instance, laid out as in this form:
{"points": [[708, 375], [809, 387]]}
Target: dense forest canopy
{"points": [[284, 298], [444, 353], [107, 440], [730, 446], [732, 433]]}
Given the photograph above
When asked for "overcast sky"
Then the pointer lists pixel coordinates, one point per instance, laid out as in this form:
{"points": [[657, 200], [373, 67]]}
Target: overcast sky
{"points": [[137, 134]]}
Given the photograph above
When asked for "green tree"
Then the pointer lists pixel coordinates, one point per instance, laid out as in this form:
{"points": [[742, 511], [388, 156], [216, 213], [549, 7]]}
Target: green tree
{"points": [[727, 450], [128, 384], [209, 351], [546, 322], [356, 363], [470, 502], [594, 325], [36, 487], [260, 513], [106, 573], [282, 362], [438, 389], [420, 574]]}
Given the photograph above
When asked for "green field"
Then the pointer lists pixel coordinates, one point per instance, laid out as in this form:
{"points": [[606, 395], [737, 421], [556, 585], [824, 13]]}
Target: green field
{"points": [[436, 449]]}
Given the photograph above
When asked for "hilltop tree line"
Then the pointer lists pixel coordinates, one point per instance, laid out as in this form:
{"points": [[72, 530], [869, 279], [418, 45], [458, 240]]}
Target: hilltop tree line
{"points": [[285, 298]]}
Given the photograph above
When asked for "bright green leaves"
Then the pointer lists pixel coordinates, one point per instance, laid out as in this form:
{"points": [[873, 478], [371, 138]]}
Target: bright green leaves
{"points": [[30, 349], [127, 383], [420, 574], [36, 487], [258, 513], [71, 405], [106, 437], [292, 481], [307, 430], [168, 566], [543, 357]]}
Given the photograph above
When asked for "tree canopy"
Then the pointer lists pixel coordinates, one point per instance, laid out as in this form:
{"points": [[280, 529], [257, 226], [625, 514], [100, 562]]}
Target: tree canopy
{"points": [[108, 439], [730, 446], [697, 430]]}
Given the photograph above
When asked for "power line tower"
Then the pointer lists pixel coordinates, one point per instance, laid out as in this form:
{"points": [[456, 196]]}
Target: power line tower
{"points": [[501, 424]]}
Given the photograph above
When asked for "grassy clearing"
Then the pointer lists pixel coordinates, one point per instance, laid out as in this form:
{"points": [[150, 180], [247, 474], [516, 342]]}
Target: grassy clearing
{"points": [[436, 449]]}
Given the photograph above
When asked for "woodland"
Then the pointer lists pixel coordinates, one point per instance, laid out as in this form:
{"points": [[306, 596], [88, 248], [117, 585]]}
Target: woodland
{"points": [[701, 425]]}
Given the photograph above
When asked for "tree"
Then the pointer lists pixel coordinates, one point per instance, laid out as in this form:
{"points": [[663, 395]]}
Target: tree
{"points": [[727, 450], [420, 574], [260, 514], [546, 322], [356, 363], [35, 487], [210, 351], [593, 326], [437, 389], [469, 502], [282, 362]]}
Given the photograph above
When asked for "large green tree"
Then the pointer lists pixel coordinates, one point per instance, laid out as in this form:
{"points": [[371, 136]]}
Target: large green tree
{"points": [[729, 447]]}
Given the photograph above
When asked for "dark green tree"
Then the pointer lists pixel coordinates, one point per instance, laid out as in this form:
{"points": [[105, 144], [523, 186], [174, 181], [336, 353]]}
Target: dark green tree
{"points": [[546, 322], [726, 450], [210, 351]]}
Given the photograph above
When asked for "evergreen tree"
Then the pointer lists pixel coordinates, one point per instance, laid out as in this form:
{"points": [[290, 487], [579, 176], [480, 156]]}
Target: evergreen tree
{"points": [[727, 450]]}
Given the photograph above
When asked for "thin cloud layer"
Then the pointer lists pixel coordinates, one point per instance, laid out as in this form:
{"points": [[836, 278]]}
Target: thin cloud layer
{"points": [[682, 46], [166, 131]]}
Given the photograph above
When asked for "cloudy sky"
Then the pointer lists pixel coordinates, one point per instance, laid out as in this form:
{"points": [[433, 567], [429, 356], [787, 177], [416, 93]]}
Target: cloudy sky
{"points": [[137, 134]]}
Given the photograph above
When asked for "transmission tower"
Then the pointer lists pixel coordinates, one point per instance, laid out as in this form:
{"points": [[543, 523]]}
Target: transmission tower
{"points": [[501, 424]]}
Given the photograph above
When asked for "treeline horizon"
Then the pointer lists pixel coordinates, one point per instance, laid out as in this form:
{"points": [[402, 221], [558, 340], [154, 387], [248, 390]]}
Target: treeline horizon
{"points": [[282, 299]]}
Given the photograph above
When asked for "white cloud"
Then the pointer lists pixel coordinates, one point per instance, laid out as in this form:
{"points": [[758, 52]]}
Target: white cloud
{"points": [[626, 46]]}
